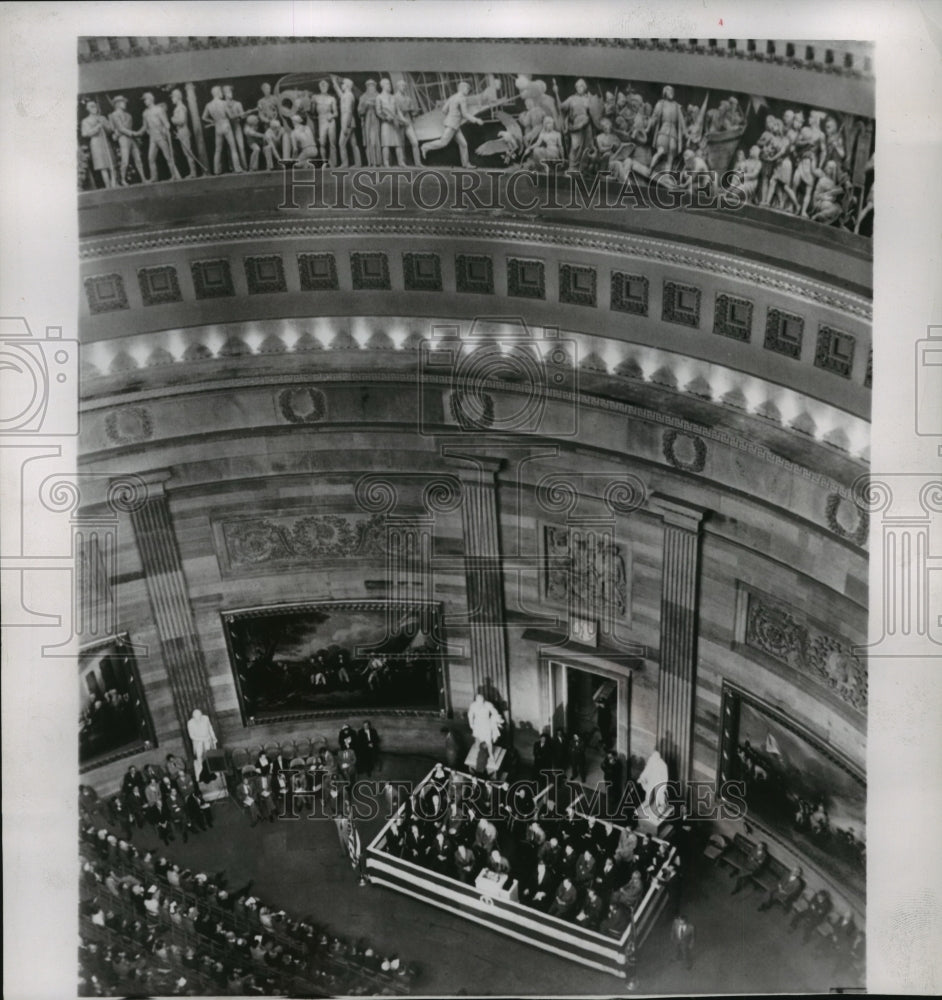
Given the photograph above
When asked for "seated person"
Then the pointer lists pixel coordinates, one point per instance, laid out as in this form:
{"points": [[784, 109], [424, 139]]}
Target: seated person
{"points": [[757, 860], [498, 864], [616, 921], [630, 895], [596, 837], [789, 888], [466, 864], [605, 879], [440, 853], [585, 868], [566, 865], [627, 845], [592, 910], [565, 898], [485, 837], [817, 910], [551, 853], [540, 888]]}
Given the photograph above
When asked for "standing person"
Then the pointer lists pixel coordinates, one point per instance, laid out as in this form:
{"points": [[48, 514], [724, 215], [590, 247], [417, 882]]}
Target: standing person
{"points": [[267, 106], [216, 113], [325, 109], [543, 757], [245, 795], [367, 748], [123, 126], [456, 113], [612, 773], [757, 860], [158, 137], [348, 139], [668, 128], [370, 124], [180, 119], [577, 759], [405, 107], [577, 123], [347, 762], [95, 128], [235, 112], [390, 127], [682, 936]]}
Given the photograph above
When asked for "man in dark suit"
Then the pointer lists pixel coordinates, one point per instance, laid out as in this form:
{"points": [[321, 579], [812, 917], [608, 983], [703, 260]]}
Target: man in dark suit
{"points": [[543, 756], [366, 745], [682, 936], [789, 888], [466, 863], [539, 888], [564, 900]]}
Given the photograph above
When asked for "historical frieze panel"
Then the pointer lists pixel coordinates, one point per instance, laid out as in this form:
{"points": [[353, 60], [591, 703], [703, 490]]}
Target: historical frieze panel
{"points": [[586, 569], [775, 629], [268, 542]]}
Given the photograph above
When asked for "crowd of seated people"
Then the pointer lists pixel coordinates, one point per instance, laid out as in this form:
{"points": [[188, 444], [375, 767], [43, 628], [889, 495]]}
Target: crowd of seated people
{"points": [[575, 867], [799, 163], [166, 920], [165, 799]]}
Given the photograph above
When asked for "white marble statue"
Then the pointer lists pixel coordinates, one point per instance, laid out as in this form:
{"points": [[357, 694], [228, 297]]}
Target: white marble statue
{"points": [[653, 779], [202, 736], [485, 722]]}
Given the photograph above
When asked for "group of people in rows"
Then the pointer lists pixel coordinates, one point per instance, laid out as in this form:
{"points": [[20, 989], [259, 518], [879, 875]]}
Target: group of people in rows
{"points": [[269, 787], [569, 866], [165, 798], [230, 938]]}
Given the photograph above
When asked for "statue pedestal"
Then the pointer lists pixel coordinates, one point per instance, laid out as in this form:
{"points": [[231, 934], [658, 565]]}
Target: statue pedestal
{"points": [[493, 763], [649, 819], [215, 789]]}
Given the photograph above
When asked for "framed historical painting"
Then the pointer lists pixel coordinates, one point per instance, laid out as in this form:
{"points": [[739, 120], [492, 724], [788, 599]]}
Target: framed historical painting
{"points": [[114, 720], [298, 660], [797, 788]]}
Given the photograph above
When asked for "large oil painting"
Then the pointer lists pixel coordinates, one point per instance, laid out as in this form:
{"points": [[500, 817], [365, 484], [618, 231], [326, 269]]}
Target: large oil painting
{"points": [[114, 720], [290, 661], [797, 787]]}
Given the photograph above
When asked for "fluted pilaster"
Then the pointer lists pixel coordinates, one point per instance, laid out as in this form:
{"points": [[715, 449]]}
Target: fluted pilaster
{"points": [[484, 576], [170, 604], [679, 630]]}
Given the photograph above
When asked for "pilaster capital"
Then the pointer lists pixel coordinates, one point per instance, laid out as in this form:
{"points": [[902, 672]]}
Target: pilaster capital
{"points": [[677, 513]]}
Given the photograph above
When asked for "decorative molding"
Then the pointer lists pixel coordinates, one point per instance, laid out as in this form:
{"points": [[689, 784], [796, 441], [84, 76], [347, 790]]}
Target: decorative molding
{"points": [[691, 462], [859, 534], [138, 46], [318, 272], [576, 575], [577, 284], [302, 404], [629, 293], [793, 639], [868, 377], [473, 411], [681, 304], [775, 338], [129, 425], [834, 351], [370, 271], [422, 272], [270, 541], [726, 323], [159, 285], [265, 274], [526, 278], [212, 279], [510, 232], [601, 403], [105, 293], [474, 273]]}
